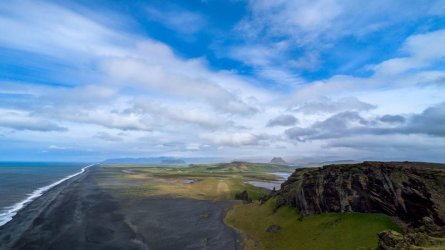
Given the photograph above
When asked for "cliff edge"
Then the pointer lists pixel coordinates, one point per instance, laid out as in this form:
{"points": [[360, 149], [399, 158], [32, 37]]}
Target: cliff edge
{"points": [[413, 192]]}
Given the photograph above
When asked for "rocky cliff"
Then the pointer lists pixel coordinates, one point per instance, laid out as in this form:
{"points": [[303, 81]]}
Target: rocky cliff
{"points": [[409, 191], [412, 192]]}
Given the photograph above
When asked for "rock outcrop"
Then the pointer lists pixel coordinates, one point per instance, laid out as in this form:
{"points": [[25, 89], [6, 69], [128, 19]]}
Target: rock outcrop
{"points": [[278, 160], [409, 191], [428, 236], [412, 192], [244, 196]]}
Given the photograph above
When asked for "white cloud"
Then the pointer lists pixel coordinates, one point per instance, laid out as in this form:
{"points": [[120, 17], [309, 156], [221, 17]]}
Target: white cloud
{"points": [[124, 59], [422, 51], [56, 147], [233, 139], [178, 78], [322, 21], [193, 146], [286, 17], [103, 117], [55, 31], [20, 120], [326, 105], [295, 33], [389, 147], [347, 124], [177, 19], [413, 70], [255, 55], [108, 137], [174, 114]]}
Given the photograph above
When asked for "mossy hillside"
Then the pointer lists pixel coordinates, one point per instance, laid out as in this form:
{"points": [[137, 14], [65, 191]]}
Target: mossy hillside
{"points": [[326, 231]]}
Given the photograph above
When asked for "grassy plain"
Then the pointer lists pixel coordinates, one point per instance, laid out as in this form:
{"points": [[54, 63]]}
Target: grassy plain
{"points": [[204, 181]]}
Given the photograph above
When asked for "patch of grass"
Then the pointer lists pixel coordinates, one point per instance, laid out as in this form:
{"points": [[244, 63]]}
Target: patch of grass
{"points": [[242, 167], [327, 231], [204, 241], [249, 170], [209, 183], [203, 187]]}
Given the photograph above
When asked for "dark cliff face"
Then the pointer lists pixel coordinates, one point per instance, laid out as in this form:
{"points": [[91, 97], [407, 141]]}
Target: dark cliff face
{"points": [[409, 191]]}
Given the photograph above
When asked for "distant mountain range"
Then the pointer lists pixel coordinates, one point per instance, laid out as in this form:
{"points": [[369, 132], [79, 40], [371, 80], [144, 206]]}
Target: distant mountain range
{"points": [[323, 163], [164, 160], [168, 160]]}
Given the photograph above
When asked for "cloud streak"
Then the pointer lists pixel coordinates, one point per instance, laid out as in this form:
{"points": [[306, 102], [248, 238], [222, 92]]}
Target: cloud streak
{"points": [[282, 120], [23, 121]]}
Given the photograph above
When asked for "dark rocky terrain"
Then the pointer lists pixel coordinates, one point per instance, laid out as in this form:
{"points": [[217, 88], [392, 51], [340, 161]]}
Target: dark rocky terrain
{"points": [[85, 213], [412, 193]]}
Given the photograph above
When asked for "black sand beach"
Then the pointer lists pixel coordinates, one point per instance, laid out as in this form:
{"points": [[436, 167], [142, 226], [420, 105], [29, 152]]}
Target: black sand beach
{"points": [[82, 213]]}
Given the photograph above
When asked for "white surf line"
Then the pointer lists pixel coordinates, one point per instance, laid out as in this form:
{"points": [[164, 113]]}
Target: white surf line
{"points": [[11, 211]]}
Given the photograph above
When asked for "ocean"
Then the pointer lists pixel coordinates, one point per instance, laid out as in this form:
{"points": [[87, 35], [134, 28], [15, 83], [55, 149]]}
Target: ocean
{"points": [[22, 182]]}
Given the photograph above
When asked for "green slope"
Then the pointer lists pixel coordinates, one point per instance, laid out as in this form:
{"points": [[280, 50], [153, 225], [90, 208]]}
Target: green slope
{"points": [[327, 231]]}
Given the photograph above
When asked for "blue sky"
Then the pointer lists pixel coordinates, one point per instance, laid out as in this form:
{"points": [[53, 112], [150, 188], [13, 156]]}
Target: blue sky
{"points": [[306, 80]]}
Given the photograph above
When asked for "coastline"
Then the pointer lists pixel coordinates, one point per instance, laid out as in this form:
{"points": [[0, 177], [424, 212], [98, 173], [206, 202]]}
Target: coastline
{"points": [[23, 220], [11, 211], [83, 212]]}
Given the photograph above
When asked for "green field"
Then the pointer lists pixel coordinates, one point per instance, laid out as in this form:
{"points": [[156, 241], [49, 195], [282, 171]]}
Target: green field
{"points": [[223, 181], [327, 231], [203, 181]]}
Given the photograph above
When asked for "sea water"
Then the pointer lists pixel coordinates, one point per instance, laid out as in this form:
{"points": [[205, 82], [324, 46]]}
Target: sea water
{"points": [[20, 183]]}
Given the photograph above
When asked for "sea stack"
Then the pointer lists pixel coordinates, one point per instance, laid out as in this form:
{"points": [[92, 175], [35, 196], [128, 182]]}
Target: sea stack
{"points": [[278, 160]]}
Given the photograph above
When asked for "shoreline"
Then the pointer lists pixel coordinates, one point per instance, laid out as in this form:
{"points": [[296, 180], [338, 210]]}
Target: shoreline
{"points": [[12, 211], [83, 213]]}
